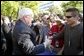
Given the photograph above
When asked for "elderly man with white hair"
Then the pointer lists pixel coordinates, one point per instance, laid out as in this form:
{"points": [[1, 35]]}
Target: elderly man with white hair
{"points": [[24, 37]]}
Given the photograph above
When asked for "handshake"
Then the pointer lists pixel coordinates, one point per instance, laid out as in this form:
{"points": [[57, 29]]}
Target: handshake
{"points": [[48, 40]]}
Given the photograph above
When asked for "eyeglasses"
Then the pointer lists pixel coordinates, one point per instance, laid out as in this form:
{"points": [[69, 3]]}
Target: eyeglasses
{"points": [[68, 16]]}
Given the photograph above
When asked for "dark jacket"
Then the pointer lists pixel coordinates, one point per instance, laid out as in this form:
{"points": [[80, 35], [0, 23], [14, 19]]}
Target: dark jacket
{"points": [[2, 41], [73, 39], [7, 34], [24, 40]]}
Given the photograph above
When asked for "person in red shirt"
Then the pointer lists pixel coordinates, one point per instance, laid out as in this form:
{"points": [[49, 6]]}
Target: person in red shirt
{"points": [[57, 43]]}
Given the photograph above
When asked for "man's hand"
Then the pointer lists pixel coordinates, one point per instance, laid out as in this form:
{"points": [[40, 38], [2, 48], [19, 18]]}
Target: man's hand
{"points": [[47, 41], [81, 53], [4, 47], [60, 52]]}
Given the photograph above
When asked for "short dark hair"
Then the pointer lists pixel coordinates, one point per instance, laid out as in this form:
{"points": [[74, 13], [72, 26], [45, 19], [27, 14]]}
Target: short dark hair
{"points": [[74, 10]]}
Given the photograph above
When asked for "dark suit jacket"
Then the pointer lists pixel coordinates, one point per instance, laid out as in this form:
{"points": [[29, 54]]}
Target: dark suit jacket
{"points": [[24, 40]]}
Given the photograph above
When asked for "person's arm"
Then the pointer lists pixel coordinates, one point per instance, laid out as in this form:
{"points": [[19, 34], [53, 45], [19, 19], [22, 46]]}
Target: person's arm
{"points": [[36, 38], [40, 40], [4, 47], [6, 28], [81, 53], [3, 37], [61, 51], [27, 45]]}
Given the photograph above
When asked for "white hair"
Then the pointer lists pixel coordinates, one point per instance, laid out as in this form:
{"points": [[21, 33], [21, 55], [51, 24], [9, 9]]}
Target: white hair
{"points": [[25, 11], [45, 16]]}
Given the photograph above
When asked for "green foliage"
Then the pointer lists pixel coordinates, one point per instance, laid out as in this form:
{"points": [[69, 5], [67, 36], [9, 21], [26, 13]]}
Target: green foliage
{"points": [[10, 8], [76, 4], [56, 10]]}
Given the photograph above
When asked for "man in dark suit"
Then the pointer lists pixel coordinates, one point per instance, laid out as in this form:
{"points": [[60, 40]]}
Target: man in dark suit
{"points": [[24, 37]]}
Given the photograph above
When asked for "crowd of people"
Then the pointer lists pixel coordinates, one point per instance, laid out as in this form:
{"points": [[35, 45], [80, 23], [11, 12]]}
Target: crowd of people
{"points": [[48, 34]]}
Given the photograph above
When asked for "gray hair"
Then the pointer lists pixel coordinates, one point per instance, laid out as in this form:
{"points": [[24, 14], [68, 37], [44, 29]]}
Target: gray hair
{"points": [[25, 11]]}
